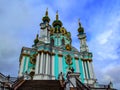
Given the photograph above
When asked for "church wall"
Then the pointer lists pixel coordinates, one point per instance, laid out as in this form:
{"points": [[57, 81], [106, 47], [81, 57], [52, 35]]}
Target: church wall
{"points": [[56, 66], [60, 64], [74, 64], [64, 65], [82, 74], [52, 48], [77, 65]]}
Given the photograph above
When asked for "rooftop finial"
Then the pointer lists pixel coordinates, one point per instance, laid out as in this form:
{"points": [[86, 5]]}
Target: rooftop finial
{"points": [[57, 17], [46, 12], [37, 36], [79, 23]]}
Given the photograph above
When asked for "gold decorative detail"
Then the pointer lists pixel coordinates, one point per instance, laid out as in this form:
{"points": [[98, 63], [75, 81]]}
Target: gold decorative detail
{"points": [[44, 52], [68, 60], [60, 55], [62, 30], [53, 54], [33, 59], [87, 60], [52, 30], [25, 54], [76, 58], [68, 47]]}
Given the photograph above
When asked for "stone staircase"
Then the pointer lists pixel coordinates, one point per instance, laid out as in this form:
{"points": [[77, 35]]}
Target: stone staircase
{"points": [[39, 85]]}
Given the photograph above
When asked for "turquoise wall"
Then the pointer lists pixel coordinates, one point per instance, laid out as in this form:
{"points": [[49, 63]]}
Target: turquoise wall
{"points": [[24, 64], [88, 71], [81, 71], [56, 67]]}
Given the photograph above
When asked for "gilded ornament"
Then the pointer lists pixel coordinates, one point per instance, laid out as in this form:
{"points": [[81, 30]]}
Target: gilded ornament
{"points": [[68, 60], [68, 47]]}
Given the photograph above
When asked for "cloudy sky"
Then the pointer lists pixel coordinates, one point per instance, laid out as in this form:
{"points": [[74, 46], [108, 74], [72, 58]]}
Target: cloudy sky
{"points": [[19, 24]]}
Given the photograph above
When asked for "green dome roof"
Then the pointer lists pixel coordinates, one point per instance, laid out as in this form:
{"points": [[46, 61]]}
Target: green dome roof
{"points": [[46, 18], [57, 22], [81, 30]]}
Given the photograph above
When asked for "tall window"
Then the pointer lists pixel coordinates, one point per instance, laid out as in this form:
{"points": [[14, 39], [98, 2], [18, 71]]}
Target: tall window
{"points": [[52, 42], [63, 41]]}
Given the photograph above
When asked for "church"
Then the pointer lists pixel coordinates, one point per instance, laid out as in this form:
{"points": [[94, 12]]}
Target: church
{"points": [[52, 63]]}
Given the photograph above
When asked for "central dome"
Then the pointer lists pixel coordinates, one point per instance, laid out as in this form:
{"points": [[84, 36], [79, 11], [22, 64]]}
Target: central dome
{"points": [[57, 22]]}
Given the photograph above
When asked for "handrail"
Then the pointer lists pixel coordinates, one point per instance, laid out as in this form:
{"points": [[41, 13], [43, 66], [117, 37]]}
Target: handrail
{"points": [[81, 84]]}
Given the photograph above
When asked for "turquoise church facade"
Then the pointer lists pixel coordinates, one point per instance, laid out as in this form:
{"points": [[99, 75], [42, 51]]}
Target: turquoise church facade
{"points": [[53, 53]]}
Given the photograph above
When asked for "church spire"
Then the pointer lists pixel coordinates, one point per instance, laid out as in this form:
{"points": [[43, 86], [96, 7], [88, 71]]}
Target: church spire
{"points": [[46, 17], [57, 22], [79, 23], [80, 29], [82, 37], [57, 17]]}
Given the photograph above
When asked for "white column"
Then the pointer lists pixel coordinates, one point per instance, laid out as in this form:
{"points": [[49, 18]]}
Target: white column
{"points": [[21, 66], [53, 65], [41, 59], [37, 64], [60, 64], [77, 66], [86, 69], [90, 72], [46, 64], [83, 69]]}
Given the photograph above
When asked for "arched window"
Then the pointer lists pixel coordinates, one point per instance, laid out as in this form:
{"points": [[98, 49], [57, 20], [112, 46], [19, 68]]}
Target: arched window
{"points": [[63, 41], [52, 42]]}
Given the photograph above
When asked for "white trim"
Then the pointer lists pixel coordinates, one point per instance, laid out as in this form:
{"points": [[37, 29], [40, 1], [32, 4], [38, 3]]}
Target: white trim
{"points": [[90, 72], [83, 69], [60, 64], [77, 66], [41, 59], [46, 64], [21, 66], [53, 61], [37, 65], [86, 69]]}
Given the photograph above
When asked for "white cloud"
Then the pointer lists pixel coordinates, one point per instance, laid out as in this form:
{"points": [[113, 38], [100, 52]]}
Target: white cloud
{"points": [[104, 37]]}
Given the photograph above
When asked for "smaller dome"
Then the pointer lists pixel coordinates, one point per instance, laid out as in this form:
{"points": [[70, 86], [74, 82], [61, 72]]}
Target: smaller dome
{"points": [[46, 18], [80, 29]]}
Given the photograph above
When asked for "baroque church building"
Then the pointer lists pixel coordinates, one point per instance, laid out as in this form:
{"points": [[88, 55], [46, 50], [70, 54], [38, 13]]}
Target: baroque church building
{"points": [[53, 58]]}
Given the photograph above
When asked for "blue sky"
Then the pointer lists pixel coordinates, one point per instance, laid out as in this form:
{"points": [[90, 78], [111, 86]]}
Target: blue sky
{"points": [[19, 24]]}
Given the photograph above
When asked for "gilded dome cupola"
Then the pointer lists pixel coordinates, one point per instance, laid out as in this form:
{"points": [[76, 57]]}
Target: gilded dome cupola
{"points": [[57, 22], [80, 29], [46, 17]]}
